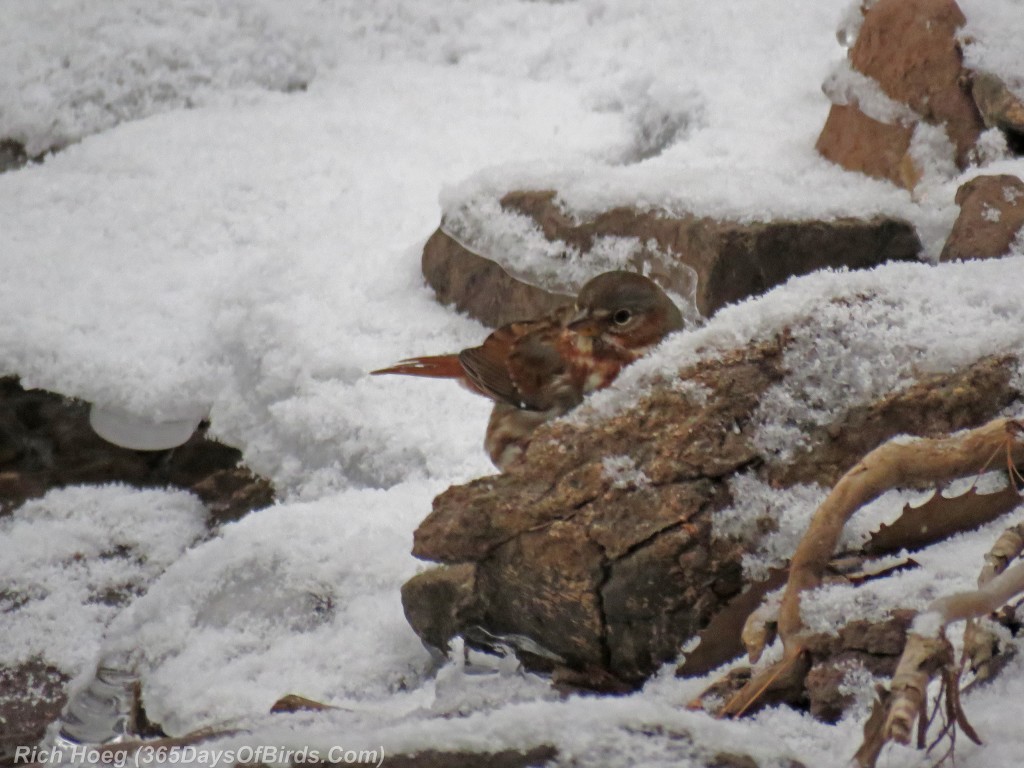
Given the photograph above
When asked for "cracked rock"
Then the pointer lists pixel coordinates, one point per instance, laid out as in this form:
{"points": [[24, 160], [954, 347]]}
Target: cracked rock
{"points": [[603, 582]]}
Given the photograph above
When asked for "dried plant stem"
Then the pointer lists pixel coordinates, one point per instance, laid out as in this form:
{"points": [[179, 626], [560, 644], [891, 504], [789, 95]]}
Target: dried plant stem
{"points": [[989, 597], [894, 464], [897, 463]]}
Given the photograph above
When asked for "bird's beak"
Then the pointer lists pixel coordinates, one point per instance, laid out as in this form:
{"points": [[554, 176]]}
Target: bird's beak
{"points": [[585, 324]]}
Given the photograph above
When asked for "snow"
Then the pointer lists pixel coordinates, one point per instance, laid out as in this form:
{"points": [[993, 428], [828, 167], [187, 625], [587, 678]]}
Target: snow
{"points": [[234, 229], [988, 40], [63, 557]]}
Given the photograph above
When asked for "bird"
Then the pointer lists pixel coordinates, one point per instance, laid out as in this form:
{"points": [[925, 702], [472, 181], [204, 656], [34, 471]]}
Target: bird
{"points": [[537, 370]]}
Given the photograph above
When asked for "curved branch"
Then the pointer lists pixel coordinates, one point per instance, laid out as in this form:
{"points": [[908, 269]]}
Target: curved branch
{"points": [[897, 463]]}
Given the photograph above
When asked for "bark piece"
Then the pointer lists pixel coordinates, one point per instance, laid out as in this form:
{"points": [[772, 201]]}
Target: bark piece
{"points": [[941, 517]]}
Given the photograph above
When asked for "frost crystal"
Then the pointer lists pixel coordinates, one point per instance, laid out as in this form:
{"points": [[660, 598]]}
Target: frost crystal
{"points": [[623, 472]]}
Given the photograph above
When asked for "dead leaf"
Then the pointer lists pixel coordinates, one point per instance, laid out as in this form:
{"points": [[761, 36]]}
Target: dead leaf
{"points": [[295, 703], [939, 518]]}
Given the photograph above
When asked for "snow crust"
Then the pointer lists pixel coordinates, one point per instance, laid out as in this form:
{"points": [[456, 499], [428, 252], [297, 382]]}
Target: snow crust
{"points": [[221, 242]]}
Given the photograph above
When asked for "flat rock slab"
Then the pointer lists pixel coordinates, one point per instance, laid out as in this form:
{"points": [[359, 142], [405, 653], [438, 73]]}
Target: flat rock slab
{"points": [[713, 261]]}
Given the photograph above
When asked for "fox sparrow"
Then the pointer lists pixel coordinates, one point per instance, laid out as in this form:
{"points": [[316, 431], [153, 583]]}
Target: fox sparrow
{"points": [[538, 369]]}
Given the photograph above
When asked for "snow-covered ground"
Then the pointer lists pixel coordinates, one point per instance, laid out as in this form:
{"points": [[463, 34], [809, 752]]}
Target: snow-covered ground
{"points": [[235, 230]]}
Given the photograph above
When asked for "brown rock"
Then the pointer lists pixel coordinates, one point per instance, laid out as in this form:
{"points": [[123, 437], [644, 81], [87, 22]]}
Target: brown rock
{"points": [[909, 47], [858, 143], [991, 215], [440, 603], [509, 758], [597, 575], [31, 697], [1000, 108], [479, 287], [872, 646], [611, 581], [46, 442], [937, 404], [731, 261]]}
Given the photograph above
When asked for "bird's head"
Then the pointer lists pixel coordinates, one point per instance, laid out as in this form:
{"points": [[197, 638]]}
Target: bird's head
{"points": [[627, 309]]}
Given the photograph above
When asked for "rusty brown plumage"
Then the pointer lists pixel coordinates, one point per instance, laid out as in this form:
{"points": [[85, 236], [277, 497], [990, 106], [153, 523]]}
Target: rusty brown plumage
{"points": [[537, 370]]}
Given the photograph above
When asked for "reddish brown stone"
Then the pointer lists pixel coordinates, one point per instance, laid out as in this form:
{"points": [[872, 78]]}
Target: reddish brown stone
{"points": [[479, 287], [909, 47], [731, 261], [31, 697], [858, 143], [991, 215]]}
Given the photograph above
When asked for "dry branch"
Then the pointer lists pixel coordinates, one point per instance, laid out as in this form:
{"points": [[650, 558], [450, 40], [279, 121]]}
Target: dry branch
{"points": [[898, 463], [929, 653]]}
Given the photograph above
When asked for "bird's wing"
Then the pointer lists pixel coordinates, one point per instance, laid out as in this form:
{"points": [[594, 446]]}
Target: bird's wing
{"points": [[486, 366], [540, 370]]}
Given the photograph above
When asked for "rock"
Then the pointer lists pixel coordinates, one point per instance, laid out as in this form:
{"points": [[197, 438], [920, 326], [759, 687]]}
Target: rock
{"points": [[440, 603], [605, 578], [610, 579], [479, 287], [875, 148], [860, 645], [991, 216], [935, 405], [909, 49], [24, 718], [12, 155], [46, 442], [1000, 108], [730, 260], [509, 758]]}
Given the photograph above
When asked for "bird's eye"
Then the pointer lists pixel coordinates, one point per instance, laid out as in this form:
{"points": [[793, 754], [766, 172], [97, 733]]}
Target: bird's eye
{"points": [[622, 316]]}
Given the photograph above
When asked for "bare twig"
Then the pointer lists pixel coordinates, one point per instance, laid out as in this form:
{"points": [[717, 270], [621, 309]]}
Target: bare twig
{"points": [[897, 463]]}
